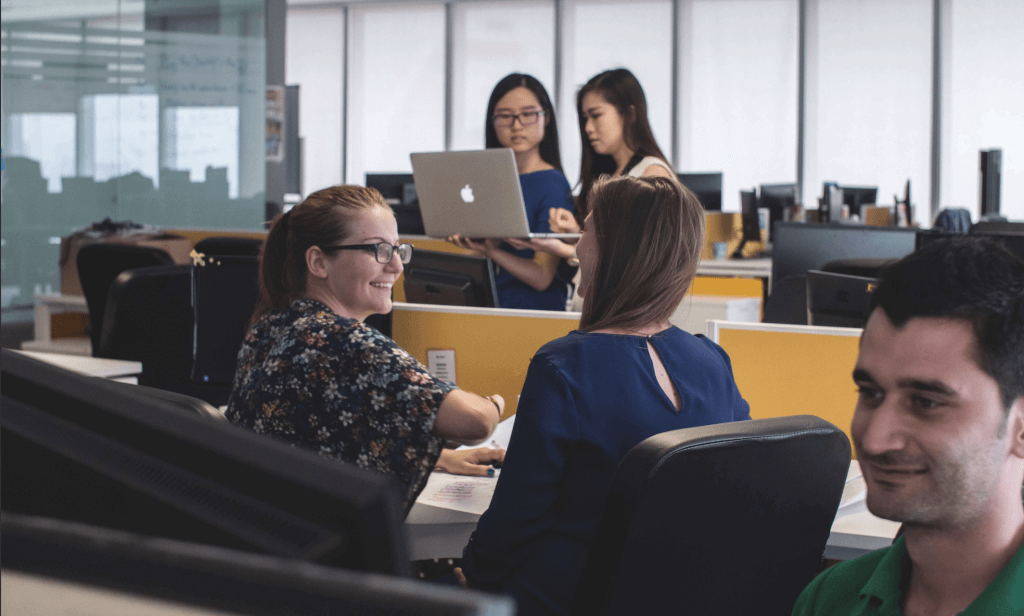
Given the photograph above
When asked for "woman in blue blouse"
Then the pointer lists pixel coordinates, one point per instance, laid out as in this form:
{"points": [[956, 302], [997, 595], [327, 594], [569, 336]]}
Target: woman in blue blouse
{"points": [[592, 395], [520, 117]]}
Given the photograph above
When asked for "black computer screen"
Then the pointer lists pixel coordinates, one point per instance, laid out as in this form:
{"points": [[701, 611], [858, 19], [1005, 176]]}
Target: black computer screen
{"points": [[49, 564], [84, 449], [800, 247], [748, 216], [778, 198], [707, 187], [449, 279], [856, 196], [399, 191], [838, 300]]}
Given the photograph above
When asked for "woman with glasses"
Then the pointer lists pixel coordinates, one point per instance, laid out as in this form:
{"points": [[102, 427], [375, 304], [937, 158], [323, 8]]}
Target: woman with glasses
{"points": [[312, 374], [520, 117], [589, 397]]}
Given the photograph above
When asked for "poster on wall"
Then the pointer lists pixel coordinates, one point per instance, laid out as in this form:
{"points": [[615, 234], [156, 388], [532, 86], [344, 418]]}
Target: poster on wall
{"points": [[275, 124]]}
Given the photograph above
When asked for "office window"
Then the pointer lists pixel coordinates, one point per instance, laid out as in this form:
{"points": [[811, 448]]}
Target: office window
{"points": [[983, 94], [599, 35], [133, 111], [491, 40], [738, 92], [314, 61], [48, 138], [396, 87], [869, 89]]}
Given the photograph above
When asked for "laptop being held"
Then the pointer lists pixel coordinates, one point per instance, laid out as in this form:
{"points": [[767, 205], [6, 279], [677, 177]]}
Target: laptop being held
{"points": [[472, 194]]}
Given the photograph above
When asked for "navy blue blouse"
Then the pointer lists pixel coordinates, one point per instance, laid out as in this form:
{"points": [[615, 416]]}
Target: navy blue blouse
{"points": [[340, 388], [542, 190], [587, 400]]}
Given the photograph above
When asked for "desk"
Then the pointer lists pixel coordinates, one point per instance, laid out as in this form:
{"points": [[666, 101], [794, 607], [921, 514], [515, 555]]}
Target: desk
{"points": [[46, 305], [434, 532], [743, 268], [115, 369]]}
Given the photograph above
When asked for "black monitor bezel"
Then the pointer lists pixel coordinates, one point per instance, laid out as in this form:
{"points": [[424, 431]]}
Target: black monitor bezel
{"points": [[432, 266]]}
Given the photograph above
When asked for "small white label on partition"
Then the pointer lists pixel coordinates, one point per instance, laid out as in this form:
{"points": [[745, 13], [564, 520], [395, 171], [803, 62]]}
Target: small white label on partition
{"points": [[441, 363]]}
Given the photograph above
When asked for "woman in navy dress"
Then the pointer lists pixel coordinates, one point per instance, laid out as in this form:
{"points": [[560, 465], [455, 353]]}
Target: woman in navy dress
{"points": [[520, 117], [589, 397]]}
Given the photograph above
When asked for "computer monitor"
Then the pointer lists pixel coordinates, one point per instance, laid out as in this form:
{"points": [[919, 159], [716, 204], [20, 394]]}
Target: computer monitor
{"points": [[991, 171], [778, 198], [224, 293], [707, 187], [399, 192], [50, 564], [85, 449], [449, 279], [856, 196], [748, 218], [838, 300], [800, 247], [1014, 242]]}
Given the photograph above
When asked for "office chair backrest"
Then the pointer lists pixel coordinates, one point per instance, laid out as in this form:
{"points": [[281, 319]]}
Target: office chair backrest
{"points": [[722, 519], [148, 318], [99, 264], [223, 246], [787, 303]]}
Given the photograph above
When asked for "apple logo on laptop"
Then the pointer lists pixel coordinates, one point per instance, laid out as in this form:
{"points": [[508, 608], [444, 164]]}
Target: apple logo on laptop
{"points": [[467, 194]]}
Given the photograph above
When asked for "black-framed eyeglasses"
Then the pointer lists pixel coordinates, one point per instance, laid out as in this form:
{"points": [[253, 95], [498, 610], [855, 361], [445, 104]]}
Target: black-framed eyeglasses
{"points": [[382, 251], [526, 118]]}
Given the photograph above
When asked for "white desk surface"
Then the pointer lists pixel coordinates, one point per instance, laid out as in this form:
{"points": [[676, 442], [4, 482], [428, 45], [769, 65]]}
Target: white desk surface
{"points": [[434, 532], [92, 366]]}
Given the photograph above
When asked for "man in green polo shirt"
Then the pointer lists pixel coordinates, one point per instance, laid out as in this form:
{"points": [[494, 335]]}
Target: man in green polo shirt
{"points": [[939, 433]]}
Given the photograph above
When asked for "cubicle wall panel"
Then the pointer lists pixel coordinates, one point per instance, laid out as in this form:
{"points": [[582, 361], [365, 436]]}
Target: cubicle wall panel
{"points": [[795, 371], [492, 347]]}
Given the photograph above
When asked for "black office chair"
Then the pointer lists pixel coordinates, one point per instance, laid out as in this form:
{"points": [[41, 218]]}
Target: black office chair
{"points": [[787, 304], [148, 318], [223, 246], [99, 264], [724, 519]]}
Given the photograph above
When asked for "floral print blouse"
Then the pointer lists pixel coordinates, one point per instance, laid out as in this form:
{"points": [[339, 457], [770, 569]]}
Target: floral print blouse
{"points": [[338, 387]]}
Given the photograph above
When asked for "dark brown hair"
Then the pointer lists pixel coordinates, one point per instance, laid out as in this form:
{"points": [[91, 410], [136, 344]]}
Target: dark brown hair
{"points": [[549, 151], [649, 233], [620, 88], [322, 219]]}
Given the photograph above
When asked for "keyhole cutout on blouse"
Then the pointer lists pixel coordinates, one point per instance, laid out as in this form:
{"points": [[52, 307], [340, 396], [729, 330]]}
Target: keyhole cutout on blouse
{"points": [[663, 379]]}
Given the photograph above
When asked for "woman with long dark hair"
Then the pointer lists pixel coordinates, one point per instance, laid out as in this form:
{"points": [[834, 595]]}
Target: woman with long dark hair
{"points": [[617, 140], [589, 397], [520, 117]]}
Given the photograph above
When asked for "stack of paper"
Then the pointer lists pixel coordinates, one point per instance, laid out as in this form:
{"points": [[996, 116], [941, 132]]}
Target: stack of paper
{"points": [[854, 493]]}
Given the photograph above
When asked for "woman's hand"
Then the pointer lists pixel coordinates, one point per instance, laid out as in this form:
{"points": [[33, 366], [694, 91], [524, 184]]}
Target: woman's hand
{"points": [[461, 577], [485, 248], [477, 461], [561, 220]]}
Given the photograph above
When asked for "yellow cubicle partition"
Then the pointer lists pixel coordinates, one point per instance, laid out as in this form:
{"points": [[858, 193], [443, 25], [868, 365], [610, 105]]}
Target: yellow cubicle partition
{"points": [[493, 347], [792, 369]]}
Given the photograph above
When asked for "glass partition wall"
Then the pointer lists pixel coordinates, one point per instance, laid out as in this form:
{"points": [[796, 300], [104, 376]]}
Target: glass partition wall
{"points": [[150, 111]]}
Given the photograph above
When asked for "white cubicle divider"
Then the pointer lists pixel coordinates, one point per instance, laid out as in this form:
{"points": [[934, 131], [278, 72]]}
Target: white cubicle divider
{"points": [[695, 311]]}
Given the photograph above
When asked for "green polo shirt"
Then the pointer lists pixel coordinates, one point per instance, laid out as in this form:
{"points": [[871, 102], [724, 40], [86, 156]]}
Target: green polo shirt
{"points": [[870, 586]]}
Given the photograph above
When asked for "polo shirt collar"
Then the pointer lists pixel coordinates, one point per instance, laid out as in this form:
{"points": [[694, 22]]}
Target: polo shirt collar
{"points": [[1005, 595]]}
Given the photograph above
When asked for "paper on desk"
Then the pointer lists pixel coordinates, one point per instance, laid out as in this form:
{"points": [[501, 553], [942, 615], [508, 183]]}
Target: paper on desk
{"points": [[500, 437], [854, 492], [458, 492]]}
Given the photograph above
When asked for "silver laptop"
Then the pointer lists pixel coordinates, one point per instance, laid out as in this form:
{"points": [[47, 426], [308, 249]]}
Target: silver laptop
{"points": [[474, 194]]}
